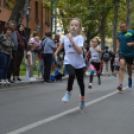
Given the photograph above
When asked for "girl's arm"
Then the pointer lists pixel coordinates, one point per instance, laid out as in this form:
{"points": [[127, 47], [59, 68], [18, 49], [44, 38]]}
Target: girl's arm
{"points": [[99, 50], [58, 50], [77, 48], [60, 72], [28, 58]]}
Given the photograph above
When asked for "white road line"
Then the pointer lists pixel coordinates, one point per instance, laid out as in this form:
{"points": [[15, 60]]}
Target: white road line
{"points": [[54, 117]]}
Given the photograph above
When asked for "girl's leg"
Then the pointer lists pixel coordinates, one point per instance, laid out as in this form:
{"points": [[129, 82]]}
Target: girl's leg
{"points": [[27, 71], [42, 67], [79, 75], [34, 55], [71, 72], [39, 68], [98, 71], [92, 68]]}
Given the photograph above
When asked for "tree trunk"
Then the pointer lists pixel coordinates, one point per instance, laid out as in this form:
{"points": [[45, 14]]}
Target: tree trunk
{"points": [[128, 17], [115, 24], [19, 10], [102, 33]]}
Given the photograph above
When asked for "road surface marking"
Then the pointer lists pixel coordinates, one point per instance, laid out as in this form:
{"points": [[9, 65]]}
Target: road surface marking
{"points": [[54, 117]]}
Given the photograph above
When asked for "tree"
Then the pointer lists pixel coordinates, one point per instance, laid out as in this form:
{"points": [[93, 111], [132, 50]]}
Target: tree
{"points": [[116, 8], [19, 9], [128, 17]]}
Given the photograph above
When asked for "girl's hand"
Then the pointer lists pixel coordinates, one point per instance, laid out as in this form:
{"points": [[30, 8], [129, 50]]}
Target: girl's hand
{"points": [[31, 65], [70, 37]]}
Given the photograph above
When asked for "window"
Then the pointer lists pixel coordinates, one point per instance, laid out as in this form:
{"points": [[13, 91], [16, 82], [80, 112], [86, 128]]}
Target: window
{"points": [[36, 10]]}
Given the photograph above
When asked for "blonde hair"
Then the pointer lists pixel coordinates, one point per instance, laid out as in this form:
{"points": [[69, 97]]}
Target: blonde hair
{"points": [[80, 22], [33, 34], [98, 41], [29, 47]]}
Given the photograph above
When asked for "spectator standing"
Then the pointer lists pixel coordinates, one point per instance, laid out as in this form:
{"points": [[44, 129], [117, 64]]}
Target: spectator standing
{"points": [[20, 53], [28, 61], [6, 46], [49, 48], [14, 38], [57, 43], [36, 43]]}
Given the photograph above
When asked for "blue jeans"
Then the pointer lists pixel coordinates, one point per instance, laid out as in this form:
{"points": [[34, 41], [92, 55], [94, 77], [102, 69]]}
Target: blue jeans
{"points": [[5, 61]]}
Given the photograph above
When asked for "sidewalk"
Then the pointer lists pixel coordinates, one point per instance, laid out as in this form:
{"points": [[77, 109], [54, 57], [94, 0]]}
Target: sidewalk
{"points": [[38, 80]]}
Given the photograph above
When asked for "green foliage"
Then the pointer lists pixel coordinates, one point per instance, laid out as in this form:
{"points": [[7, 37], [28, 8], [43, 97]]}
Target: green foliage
{"points": [[9, 4], [91, 13]]}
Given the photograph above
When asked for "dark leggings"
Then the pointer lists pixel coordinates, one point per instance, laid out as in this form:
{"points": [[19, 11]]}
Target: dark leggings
{"points": [[79, 75]]}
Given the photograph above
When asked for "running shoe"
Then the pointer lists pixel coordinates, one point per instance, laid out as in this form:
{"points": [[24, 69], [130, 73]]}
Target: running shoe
{"points": [[29, 80], [130, 82], [20, 80], [7, 82], [82, 103], [119, 88], [15, 80], [65, 99], [99, 81], [2, 82], [90, 85]]}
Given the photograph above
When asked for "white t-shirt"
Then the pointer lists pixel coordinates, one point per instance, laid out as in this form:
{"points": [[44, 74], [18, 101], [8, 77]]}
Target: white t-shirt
{"points": [[71, 55], [95, 55], [26, 60]]}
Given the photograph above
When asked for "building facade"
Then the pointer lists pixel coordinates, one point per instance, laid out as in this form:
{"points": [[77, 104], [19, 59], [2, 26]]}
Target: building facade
{"points": [[38, 16]]}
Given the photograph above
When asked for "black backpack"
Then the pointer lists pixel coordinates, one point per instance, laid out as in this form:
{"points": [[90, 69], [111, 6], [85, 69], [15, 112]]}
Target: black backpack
{"points": [[106, 57]]}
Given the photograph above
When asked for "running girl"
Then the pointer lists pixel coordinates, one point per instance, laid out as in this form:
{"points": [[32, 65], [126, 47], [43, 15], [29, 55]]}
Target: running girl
{"points": [[94, 51], [73, 59]]}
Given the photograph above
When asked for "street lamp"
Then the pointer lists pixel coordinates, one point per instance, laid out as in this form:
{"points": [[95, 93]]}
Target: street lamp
{"points": [[27, 18], [38, 28]]}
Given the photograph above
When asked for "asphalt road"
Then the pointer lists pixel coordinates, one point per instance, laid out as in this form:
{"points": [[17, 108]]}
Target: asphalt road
{"points": [[38, 109]]}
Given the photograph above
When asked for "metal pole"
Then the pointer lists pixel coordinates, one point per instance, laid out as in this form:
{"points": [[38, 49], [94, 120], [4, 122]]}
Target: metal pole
{"points": [[27, 30], [51, 25]]}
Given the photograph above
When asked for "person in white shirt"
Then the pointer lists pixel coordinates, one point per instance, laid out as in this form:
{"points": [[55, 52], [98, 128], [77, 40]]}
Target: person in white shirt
{"points": [[73, 59], [95, 52], [28, 61]]}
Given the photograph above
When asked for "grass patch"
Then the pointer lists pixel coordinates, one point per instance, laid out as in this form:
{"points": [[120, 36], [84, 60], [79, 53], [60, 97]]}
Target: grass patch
{"points": [[23, 73]]}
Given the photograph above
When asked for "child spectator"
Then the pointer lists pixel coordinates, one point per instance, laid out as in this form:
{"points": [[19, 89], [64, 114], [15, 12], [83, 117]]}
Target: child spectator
{"points": [[116, 64], [35, 41], [58, 74], [28, 61]]}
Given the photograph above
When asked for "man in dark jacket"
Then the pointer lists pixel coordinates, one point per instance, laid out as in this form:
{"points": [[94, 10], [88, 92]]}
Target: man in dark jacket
{"points": [[14, 38]]}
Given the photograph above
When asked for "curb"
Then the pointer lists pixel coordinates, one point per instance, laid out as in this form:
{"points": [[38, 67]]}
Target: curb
{"points": [[15, 85]]}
